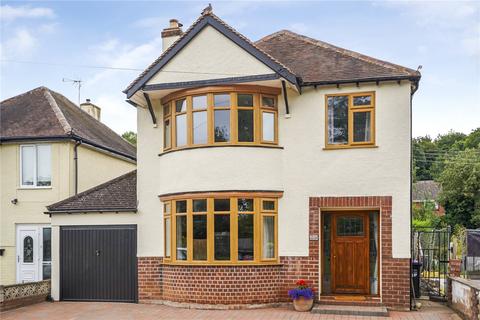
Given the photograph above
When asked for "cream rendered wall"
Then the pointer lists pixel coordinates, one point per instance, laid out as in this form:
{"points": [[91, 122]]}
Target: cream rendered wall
{"points": [[212, 56], [96, 167], [31, 202], [302, 169], [79, 219]]}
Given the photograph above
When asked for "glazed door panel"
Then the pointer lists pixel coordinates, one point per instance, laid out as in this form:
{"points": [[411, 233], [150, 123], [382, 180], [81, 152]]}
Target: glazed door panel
{"points": [[350, 253]]}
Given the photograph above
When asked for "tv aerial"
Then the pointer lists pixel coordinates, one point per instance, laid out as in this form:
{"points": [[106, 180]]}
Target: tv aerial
{"points": [[77, 83]]}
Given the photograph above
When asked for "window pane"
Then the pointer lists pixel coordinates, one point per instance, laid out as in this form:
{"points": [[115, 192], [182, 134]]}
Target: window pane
{"points": [[350, 226], [46, 271], [245, 125], [28, 249], [221, 100], [222, 125], [47, 244], [166, 208], [44, 165], [200, 237], [181, 206], [181, 105], [181, 225], [268, 205], [28, 165], [181, 130], [245, 100], [166, 109], [245, 237], [268, 237], [168, 243], [245, 205], [222, 237], [199, 102], [221, 205], [337, 120], [200, 127], [362, 100], [362, 126], [167, 134], [200, 205], [268, 126], [268, 102], [373, 239]]}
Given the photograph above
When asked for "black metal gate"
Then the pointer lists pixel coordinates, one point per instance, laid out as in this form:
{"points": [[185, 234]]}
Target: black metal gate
{"points": [[98, 263], [431, 248]]}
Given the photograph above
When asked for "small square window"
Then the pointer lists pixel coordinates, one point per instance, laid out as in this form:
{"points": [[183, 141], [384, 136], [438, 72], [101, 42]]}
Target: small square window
{"points": [[181, 105], [245, 100], [221, 100], [365, 100], [166, 208], [166, 110], [199, 102], [181, 206], [268, 205], [268, 102], [245, 205], [200, 205]]}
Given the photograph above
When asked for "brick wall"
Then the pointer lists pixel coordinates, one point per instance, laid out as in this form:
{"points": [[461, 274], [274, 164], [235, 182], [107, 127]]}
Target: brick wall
{"points": [[269, 284]]}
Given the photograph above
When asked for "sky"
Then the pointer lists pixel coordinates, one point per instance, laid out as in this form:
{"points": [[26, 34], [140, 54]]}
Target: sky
{"points": [[42, 43]]}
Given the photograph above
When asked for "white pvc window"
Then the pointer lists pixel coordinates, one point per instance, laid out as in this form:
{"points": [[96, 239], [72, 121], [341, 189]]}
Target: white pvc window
{"points": [[35, 166]]}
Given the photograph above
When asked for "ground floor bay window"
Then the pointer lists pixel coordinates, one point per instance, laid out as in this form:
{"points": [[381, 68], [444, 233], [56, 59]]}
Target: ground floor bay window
{"points": [[220, 229]]}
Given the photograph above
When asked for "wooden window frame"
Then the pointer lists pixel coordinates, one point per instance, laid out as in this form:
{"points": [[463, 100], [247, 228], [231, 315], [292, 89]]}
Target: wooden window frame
{"points": [[257, 213], [258, 93], [166, 216], [351, 111], [167, 117]]}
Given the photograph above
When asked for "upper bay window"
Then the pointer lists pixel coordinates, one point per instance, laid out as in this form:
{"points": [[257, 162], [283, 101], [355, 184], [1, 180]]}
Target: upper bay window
{"points": [[350, 120], [220, 116], [35, 166], [221, 229]]}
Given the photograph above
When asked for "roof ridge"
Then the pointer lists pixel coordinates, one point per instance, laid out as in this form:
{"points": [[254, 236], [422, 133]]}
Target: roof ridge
{"points": [[24, 94], [343, 51], [57, 111], [91, 190]]}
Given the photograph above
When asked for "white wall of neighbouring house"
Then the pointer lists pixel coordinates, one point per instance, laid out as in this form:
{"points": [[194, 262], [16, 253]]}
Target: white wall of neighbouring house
{"points": [[302, 169]]}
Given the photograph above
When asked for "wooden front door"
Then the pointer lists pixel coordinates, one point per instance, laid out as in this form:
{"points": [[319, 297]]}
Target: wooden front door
{"points": [[350, 253]]}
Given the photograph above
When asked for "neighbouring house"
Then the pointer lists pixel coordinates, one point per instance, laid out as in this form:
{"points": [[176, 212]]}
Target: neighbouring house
{"points": [[50, 149], [259, 163], [426, 193]]}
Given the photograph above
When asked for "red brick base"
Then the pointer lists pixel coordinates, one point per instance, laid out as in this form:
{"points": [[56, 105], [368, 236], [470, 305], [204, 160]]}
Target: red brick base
{"points": [[270, 284]]}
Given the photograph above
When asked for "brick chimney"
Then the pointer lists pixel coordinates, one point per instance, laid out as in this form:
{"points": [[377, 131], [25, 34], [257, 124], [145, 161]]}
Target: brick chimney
{"points": [[171, 34], [91, 109]]}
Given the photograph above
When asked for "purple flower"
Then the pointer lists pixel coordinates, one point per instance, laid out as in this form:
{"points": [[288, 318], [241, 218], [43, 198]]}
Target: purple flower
{"points": [[297, 293]]}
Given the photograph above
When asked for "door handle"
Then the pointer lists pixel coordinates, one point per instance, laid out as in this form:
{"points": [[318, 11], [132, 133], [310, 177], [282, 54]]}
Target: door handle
{"points": [[97, 252]]}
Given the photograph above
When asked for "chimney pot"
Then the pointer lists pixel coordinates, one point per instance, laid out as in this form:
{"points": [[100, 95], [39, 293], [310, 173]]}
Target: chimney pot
{"points": [[88, 100], [171, 34]]}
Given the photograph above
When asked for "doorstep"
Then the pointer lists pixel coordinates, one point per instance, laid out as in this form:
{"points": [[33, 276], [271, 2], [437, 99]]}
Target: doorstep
{"points": [[351, 310]]}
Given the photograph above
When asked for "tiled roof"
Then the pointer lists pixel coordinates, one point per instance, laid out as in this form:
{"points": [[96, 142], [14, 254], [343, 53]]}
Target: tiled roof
{"points": [[119, 194], [316, 61], [43, 113], [426, 190]]}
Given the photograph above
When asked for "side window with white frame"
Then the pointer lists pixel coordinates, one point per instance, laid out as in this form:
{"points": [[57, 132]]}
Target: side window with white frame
{"points": [[35, 165]]}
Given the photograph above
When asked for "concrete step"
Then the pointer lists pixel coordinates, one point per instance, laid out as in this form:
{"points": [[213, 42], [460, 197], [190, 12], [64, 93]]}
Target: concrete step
{"points": [[368, 311]]}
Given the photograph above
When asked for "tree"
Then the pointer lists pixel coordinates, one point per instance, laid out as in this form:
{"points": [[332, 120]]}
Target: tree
{"points": [[460, 195], [131, 137]]}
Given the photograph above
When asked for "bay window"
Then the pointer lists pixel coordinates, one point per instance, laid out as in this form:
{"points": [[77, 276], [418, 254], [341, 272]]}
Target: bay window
{"points": [[35, 166], [217, 229], [243, 115], [350, 120]]}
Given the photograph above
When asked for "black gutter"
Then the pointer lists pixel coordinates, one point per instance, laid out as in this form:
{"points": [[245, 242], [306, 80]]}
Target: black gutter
{"points": [[200, 83], [100, 210], [217, 191], [285, 97], [132, 103], [75, 161], [360, 80], [150, 108], [68, 137]]}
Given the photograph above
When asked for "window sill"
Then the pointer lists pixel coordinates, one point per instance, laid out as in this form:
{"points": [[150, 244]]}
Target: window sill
{"points": [[361, 146], [224, 264], [34, 188], [221, 146]]}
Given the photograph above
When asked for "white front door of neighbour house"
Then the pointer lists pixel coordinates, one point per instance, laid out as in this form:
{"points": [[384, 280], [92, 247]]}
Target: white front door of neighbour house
{"points": [[33, 253]]}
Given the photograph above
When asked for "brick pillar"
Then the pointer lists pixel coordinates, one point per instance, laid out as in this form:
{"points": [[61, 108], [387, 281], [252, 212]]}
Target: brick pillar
{"points": [[455, 267]]}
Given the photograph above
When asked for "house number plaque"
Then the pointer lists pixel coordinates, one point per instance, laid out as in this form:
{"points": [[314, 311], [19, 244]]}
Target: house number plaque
{"points": [[314, 237]]}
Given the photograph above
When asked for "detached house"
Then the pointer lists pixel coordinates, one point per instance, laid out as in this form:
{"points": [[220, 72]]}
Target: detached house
{"points": [[50, 149], [259, 163]]}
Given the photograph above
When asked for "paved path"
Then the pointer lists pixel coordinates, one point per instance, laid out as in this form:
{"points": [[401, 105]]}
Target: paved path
{"points": [[124, 311]]}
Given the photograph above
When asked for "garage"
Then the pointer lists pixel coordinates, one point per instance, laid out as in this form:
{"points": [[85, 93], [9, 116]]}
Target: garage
{"points": [[98, 263]]}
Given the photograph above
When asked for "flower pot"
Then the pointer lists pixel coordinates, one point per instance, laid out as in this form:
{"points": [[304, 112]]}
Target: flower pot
{"points": [[302, 304]]}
